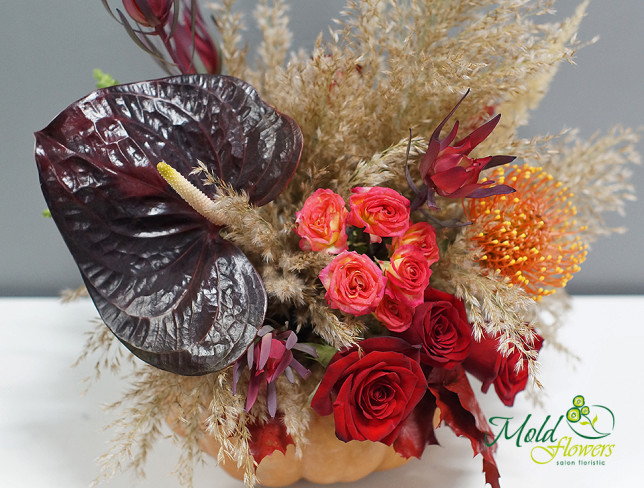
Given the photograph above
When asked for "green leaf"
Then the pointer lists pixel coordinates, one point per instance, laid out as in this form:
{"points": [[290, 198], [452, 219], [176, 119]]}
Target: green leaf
{"points": [[46, 213], [325, 353], [594, 420], [584, 423], [103, 80], [443, 244]]}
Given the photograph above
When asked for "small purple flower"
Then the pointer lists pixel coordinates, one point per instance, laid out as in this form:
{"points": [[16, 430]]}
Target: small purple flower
{"points": [[270, 357]]}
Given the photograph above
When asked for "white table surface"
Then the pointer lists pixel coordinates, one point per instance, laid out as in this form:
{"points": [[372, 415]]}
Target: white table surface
{"points": [[51, 435]]}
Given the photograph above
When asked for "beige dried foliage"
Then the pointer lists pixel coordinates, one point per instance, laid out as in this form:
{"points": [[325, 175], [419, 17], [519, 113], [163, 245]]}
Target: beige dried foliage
{"points": [[69, 295], [386, 168], [231, 27], [105, 351], [275, 43], [295, 404], [598, 172], [325, 323], [388, 67], [542, 64]]}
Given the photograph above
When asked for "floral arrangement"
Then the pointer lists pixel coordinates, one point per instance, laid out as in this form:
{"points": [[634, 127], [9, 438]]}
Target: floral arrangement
{"points": [[349, 231]]}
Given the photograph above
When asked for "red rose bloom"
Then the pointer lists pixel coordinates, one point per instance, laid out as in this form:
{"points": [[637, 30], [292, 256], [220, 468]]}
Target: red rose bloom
{"points": [[371, 389], [486, 363], [382, 212], [441, 327]]}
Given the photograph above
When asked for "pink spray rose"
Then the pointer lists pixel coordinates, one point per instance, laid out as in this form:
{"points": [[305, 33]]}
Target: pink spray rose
{"points": [[423, 236], [322, 223], [354, 283], [408, 275], [381, 211]]}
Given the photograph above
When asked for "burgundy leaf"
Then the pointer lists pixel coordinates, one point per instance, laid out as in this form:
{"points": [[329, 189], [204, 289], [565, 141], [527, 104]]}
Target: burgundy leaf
{"points": [[174, 292], [265, 438], [418, 430], [460, 410]]}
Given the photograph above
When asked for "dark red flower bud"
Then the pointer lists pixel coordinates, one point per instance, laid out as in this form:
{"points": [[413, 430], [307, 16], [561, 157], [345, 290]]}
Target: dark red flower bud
{"points": [[150, 13], [492, 367], [449, 171], [191, 38]]}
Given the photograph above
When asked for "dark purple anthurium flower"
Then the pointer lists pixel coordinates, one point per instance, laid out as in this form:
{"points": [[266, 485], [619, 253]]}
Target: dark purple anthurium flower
{"points": [[449, 171], [270, 357], [171, 289]]}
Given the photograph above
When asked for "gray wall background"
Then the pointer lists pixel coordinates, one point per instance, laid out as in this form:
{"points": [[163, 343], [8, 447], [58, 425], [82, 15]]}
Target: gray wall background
{"points": [[49, 49]]}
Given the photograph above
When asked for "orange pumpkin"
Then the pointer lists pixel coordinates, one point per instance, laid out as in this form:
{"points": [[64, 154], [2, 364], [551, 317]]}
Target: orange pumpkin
{"points": [[325, 459]]}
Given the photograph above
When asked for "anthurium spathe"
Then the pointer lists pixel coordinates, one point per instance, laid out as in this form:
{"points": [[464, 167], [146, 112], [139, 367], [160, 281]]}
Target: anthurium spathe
{"points": [[171, 289], [449, 171]]}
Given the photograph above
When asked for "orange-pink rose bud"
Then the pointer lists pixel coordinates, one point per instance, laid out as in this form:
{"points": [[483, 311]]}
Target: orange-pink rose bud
{"points": [[423, 236], [408, 275], [393, 314], [382, 212], [322, 223], [354, 283]]}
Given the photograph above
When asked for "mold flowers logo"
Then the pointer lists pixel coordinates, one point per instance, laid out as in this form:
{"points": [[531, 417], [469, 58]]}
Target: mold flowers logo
{"points": [[580, 440], [590, 421]]}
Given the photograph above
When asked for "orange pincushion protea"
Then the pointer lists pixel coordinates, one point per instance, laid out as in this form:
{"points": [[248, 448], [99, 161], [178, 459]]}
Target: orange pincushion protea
{"points": [[531, 236]]}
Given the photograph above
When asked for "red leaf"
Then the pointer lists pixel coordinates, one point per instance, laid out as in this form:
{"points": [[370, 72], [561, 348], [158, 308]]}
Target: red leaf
{"points": [[265, 438], [418, 429], [461, 412]]}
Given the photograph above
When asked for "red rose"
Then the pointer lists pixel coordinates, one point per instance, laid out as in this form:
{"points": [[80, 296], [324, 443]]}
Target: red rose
{"points": [[322, 223], [354, 283], [408, 275], [382, 212], [393, 314], [486, 363], [441, 327], [371, 389]]}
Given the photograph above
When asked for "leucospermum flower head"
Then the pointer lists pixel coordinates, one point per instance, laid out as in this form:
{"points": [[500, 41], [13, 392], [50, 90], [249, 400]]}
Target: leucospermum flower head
{"points": [[530, 237]]}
